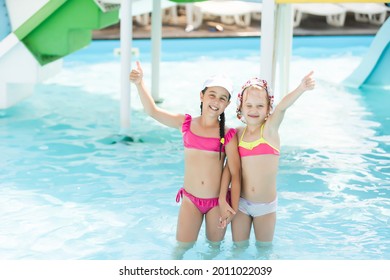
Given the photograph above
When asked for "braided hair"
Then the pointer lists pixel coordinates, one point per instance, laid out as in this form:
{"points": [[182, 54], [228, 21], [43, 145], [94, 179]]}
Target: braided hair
{"points": [[221, 120]]}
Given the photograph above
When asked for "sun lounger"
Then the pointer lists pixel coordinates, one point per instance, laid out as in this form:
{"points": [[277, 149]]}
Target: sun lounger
{"points": [[142, 8], [245, 20], [230, 12], [335, 14], [257, 9], [367, 12]]}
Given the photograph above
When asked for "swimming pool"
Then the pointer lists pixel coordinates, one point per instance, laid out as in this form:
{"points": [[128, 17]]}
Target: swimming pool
{"points": [[67, 193]]}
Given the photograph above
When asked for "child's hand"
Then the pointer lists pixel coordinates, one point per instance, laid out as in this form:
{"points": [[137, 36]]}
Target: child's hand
{"points": [[137, 74], [308, 82], [224, 222], [226, 214]]}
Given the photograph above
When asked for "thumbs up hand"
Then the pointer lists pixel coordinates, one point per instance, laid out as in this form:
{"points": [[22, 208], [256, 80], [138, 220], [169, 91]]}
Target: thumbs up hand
{"points": [[136, 74], [308, 83]]}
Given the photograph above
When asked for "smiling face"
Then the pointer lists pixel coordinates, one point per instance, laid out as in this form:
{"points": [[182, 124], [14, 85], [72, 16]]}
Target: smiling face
{"points": [[215, 100], [255, 107]]}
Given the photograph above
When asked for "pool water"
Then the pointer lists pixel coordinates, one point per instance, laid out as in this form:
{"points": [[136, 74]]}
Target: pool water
{"points": [[67, 192]]}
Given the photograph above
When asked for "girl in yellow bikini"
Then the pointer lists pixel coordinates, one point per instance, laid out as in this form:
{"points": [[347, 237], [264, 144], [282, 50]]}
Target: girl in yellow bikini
{"points": [[259, 149]]}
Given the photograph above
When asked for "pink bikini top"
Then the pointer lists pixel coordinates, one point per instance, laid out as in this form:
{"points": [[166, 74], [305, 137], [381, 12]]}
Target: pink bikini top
{"points": [[193, 141], [257, 147]]}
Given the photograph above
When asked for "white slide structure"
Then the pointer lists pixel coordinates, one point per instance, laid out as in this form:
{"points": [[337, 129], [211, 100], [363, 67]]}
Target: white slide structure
{"points": [[36, 35], [19, 69]]}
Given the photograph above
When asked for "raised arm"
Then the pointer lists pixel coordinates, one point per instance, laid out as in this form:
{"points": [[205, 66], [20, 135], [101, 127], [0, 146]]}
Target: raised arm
{"points": [[162, 116], [277, 116]]}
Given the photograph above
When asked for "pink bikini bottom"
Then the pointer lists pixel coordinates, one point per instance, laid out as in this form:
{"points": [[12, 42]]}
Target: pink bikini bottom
{"points": [[203, 204]]}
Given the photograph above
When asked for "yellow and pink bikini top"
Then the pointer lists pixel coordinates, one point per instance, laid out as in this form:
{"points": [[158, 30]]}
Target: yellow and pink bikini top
{"points": [[257, 147], [193, 141]]}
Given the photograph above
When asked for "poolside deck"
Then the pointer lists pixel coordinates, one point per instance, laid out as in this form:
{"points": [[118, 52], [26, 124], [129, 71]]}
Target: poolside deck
{"points": [[310, 26]]}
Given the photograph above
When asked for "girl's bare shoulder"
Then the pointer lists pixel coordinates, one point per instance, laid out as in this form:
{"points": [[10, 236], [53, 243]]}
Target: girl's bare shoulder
{"points": [[240, 130]]}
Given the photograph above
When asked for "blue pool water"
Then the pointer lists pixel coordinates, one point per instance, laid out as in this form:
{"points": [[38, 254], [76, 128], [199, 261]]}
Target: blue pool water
{"points": [[67, 193]]}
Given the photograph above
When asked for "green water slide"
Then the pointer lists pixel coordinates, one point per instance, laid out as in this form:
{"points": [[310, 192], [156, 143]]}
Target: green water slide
{"points": [[63, 26]]}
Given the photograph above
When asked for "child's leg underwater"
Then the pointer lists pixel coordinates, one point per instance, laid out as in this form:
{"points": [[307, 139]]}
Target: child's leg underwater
{"points": [[213, 232], [189, 222], [241, 227], [264, 227], [180, 249]]}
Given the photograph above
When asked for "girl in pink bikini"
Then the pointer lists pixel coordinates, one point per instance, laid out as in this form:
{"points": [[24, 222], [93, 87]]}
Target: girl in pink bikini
{"points": [[259, 149], [206, 142]]}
